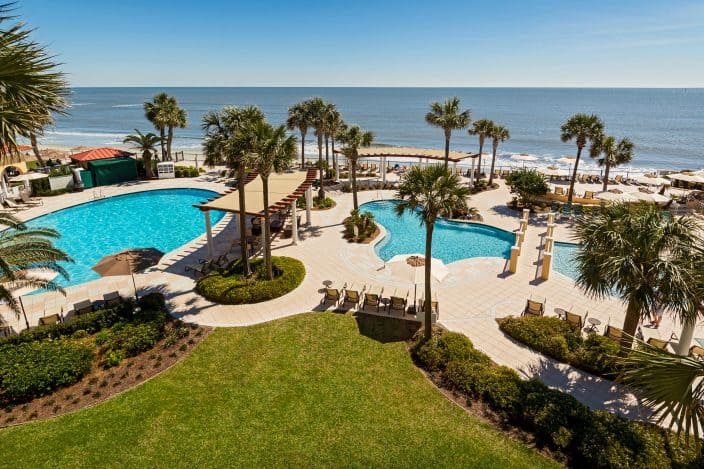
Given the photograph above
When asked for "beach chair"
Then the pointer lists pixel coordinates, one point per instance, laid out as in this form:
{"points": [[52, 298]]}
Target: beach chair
{"points": [[51, 319], [613, 333], [567, 210], [534, 307], [559, 190], [657, 343], [9, 203], [434, 305], [372, 300], [112, 299], [332, 295], [200, 269], [577, 210], [589, 194], [351, 296], [696, 352], [575, 321], [82, 307], [26, 199], [398, 302], [618, 179]]}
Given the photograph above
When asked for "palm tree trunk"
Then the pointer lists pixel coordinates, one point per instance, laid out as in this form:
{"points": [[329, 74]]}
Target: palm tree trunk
{"points": [[35, 149], [321, 190], [428, 306], [327, 150], [147, 160], [574, 176], [334, 158], [353, 173], [630, 324], [493, 161], [447, 150], [481, 150], [303, 149], [169, 138], [606, 177], [242, 222], [161, 143], [267, 233]]}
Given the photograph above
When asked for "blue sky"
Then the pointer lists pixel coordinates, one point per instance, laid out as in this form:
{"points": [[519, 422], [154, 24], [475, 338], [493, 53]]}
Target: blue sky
{"points": [[367, 43]]}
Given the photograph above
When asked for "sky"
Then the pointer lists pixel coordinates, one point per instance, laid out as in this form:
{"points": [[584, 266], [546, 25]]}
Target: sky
{"points": [[550, 43]]}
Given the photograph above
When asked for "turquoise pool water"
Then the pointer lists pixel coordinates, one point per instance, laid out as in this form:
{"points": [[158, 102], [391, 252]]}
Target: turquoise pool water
{"points": [[452, 241], [563, 259], [164, 219]]}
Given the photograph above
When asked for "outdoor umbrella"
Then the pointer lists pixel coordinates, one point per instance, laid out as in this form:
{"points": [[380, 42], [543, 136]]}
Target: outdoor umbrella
{"points": [[687, 177], [411, 267], [523, 157], [616, 196], [651, 180], [650, 197], [26, 177], [553, 171], [568, 159], [128, 262]]}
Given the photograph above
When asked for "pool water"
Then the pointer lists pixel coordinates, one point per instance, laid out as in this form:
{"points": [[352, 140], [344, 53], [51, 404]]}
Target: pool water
{"points": [[163, 219], [452, 241], [563, 259]]}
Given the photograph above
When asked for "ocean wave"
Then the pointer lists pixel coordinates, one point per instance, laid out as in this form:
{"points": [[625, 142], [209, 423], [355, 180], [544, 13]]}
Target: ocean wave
{"points": [[127, 105], [85, 134], [80, 104]]}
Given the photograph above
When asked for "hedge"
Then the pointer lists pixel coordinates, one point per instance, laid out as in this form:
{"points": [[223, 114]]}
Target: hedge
{"points": [[229, 286], [555, 338], [579, 436], [33, 369]]}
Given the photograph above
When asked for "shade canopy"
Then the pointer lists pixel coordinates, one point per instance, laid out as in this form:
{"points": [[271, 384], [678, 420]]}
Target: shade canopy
{"points": [[28, 177], [523, 157], [100, 154], [616, 196], [651, 180], [409, 152], [284, 189], [411, 268], [650, 197], [128, 262], [687, 177], [551, 171]]}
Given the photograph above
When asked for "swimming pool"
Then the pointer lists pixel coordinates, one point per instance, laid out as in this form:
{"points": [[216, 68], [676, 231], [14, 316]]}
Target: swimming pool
{"points": [[563, 259], [164, 219], [452, 241]]}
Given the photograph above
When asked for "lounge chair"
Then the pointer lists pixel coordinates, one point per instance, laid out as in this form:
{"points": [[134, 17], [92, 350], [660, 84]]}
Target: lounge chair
{"points": [[200, 269], [589, 194], [696, 352], [26, 199], [351, 296], [534, 307], [9, 203], [613, 333], [577, 210], [576, 321], [559, 191], [434, 305], [657, 343], [82, 307], [332, 295], [398, 302], [51, 319], [372, 300], [112, 299]]}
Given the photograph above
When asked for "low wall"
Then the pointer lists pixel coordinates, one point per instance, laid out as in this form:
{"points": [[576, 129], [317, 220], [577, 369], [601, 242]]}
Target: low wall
{"points": [[61, 182]]}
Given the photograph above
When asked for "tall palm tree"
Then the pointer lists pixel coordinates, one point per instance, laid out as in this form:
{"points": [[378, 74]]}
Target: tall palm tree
{"points": [[334, 125], [584, 129], [430, 192], [448, 117], [146, 143], [498, 134], [23, 250], [633, 252], [482, 128], [31, 87], [176, 117], [222, 143], [612, 153], [274, 151], [328, 117], [317, 109], [157, 112], [354, 138], [299, 118]]}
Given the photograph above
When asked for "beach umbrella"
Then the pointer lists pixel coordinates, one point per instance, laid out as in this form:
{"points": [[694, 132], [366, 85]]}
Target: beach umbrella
{"points": [[128, 262], [568, 159], [687, 177], [411, 268], [616, 195], [523, 157], [553, 171], [651, 180], [650, 197]]}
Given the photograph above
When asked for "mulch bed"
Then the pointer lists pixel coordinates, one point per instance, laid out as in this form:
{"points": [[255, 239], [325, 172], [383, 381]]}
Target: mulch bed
{"points": [[101, 383]]}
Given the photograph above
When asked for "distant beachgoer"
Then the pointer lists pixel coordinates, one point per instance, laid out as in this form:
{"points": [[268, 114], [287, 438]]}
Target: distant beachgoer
{"points": [[656, 315]]}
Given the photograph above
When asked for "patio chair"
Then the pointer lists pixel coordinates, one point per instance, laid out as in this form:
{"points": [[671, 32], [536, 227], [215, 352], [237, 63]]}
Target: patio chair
{"points": [[332, 295], [51, 319], [351, 296], [9, 203], [200, 269], [696, 352], [434, 305], [618, 179], [613, 333], [112, 299], [559, 191], [534, 308], [372, 300], [398, 303], [589, 194], [82, 307], [575, 321], [577, 210], [26, 199], [657, 343]]}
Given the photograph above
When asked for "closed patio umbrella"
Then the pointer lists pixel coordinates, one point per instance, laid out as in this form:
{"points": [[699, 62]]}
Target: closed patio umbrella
{"points": [[128, 262]]}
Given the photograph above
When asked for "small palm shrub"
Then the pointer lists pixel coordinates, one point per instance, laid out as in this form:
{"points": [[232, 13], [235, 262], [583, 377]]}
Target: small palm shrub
{"points": [[364, 224]]}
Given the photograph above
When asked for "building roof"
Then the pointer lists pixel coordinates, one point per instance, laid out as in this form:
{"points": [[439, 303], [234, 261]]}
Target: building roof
{"points": [[284, 188], [408, 152], [100, 154]]}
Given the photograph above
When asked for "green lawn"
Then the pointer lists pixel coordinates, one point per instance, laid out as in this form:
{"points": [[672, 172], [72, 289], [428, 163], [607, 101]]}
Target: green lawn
{"points": [[318, 389]]}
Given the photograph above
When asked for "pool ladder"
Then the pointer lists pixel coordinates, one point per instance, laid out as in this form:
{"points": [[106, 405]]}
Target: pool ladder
{"points": [[98, 193]]}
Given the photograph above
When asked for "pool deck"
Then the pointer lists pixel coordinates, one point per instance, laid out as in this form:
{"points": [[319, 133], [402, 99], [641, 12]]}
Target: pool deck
{"points": [[471, 297]]}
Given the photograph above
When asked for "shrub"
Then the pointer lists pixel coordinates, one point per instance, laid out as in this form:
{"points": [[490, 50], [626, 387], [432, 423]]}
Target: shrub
{"points": [[33, 369], [442, 349], [364, 223], [229, 286], [528, 184], [186, 172], [597, 355]]}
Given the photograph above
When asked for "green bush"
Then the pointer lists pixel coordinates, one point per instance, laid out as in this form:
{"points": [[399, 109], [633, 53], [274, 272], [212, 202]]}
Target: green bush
{"points": [[442, 349], [597, 356], [186, 172], [528, 184], [229, 286], [33, 369]]}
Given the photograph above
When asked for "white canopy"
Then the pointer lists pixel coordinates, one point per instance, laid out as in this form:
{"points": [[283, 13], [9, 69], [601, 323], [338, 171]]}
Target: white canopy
{"points": [[648, 197], [687, 177], [616, 196], [552, 171], [651, 180], [28, 177]]}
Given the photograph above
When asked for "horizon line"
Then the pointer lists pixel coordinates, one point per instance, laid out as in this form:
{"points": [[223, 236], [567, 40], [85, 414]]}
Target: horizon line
{"points": [[697, 87]]}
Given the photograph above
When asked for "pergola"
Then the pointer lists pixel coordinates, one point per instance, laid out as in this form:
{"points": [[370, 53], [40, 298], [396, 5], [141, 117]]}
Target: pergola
{"points": [[284, 189]]}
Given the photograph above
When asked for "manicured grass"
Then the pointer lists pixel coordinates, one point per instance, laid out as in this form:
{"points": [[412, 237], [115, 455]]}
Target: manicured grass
{"points": [[318, 389]]}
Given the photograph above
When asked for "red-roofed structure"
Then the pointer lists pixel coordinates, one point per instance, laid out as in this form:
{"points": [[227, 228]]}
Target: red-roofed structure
{"points": [[99, 154]]}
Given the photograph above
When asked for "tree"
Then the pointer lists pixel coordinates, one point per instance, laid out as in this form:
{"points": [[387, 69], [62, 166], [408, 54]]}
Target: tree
{"points": [[633, 252], [299, 118], [448, 117], [272, 151], [583, 128], [22, 251], [498, 134], [176, 117], [156, 112], [222, 143], [353, 138], [31, 87], [334, 125], [146, 143], [430, 192], [528, 184], [481, 128], [317, 109], [612, 153]]}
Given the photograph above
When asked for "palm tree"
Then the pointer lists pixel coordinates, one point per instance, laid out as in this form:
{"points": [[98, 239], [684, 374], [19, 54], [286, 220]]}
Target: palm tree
{"points": [[176, 117], [334, 125], [317, 109], [272, 150], [299, 118], [146, 143], [498, 134], [165, 114], [353, 138], [482, 128], [222, 143], [31, 87], [633, 252], [22, 251], [613, 153], [448, 117], [583, 128], [430, 192]]}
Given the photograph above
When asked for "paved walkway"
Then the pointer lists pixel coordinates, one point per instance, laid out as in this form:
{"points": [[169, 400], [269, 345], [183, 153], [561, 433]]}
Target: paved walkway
{"points": [[471, 297]]}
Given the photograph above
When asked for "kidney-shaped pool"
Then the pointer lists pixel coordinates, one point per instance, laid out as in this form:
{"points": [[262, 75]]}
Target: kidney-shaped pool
{"points": [[164, 219]]}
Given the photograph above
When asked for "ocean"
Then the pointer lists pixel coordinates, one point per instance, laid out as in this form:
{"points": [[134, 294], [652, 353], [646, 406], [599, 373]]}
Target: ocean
{"points": [[666, 125]]}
